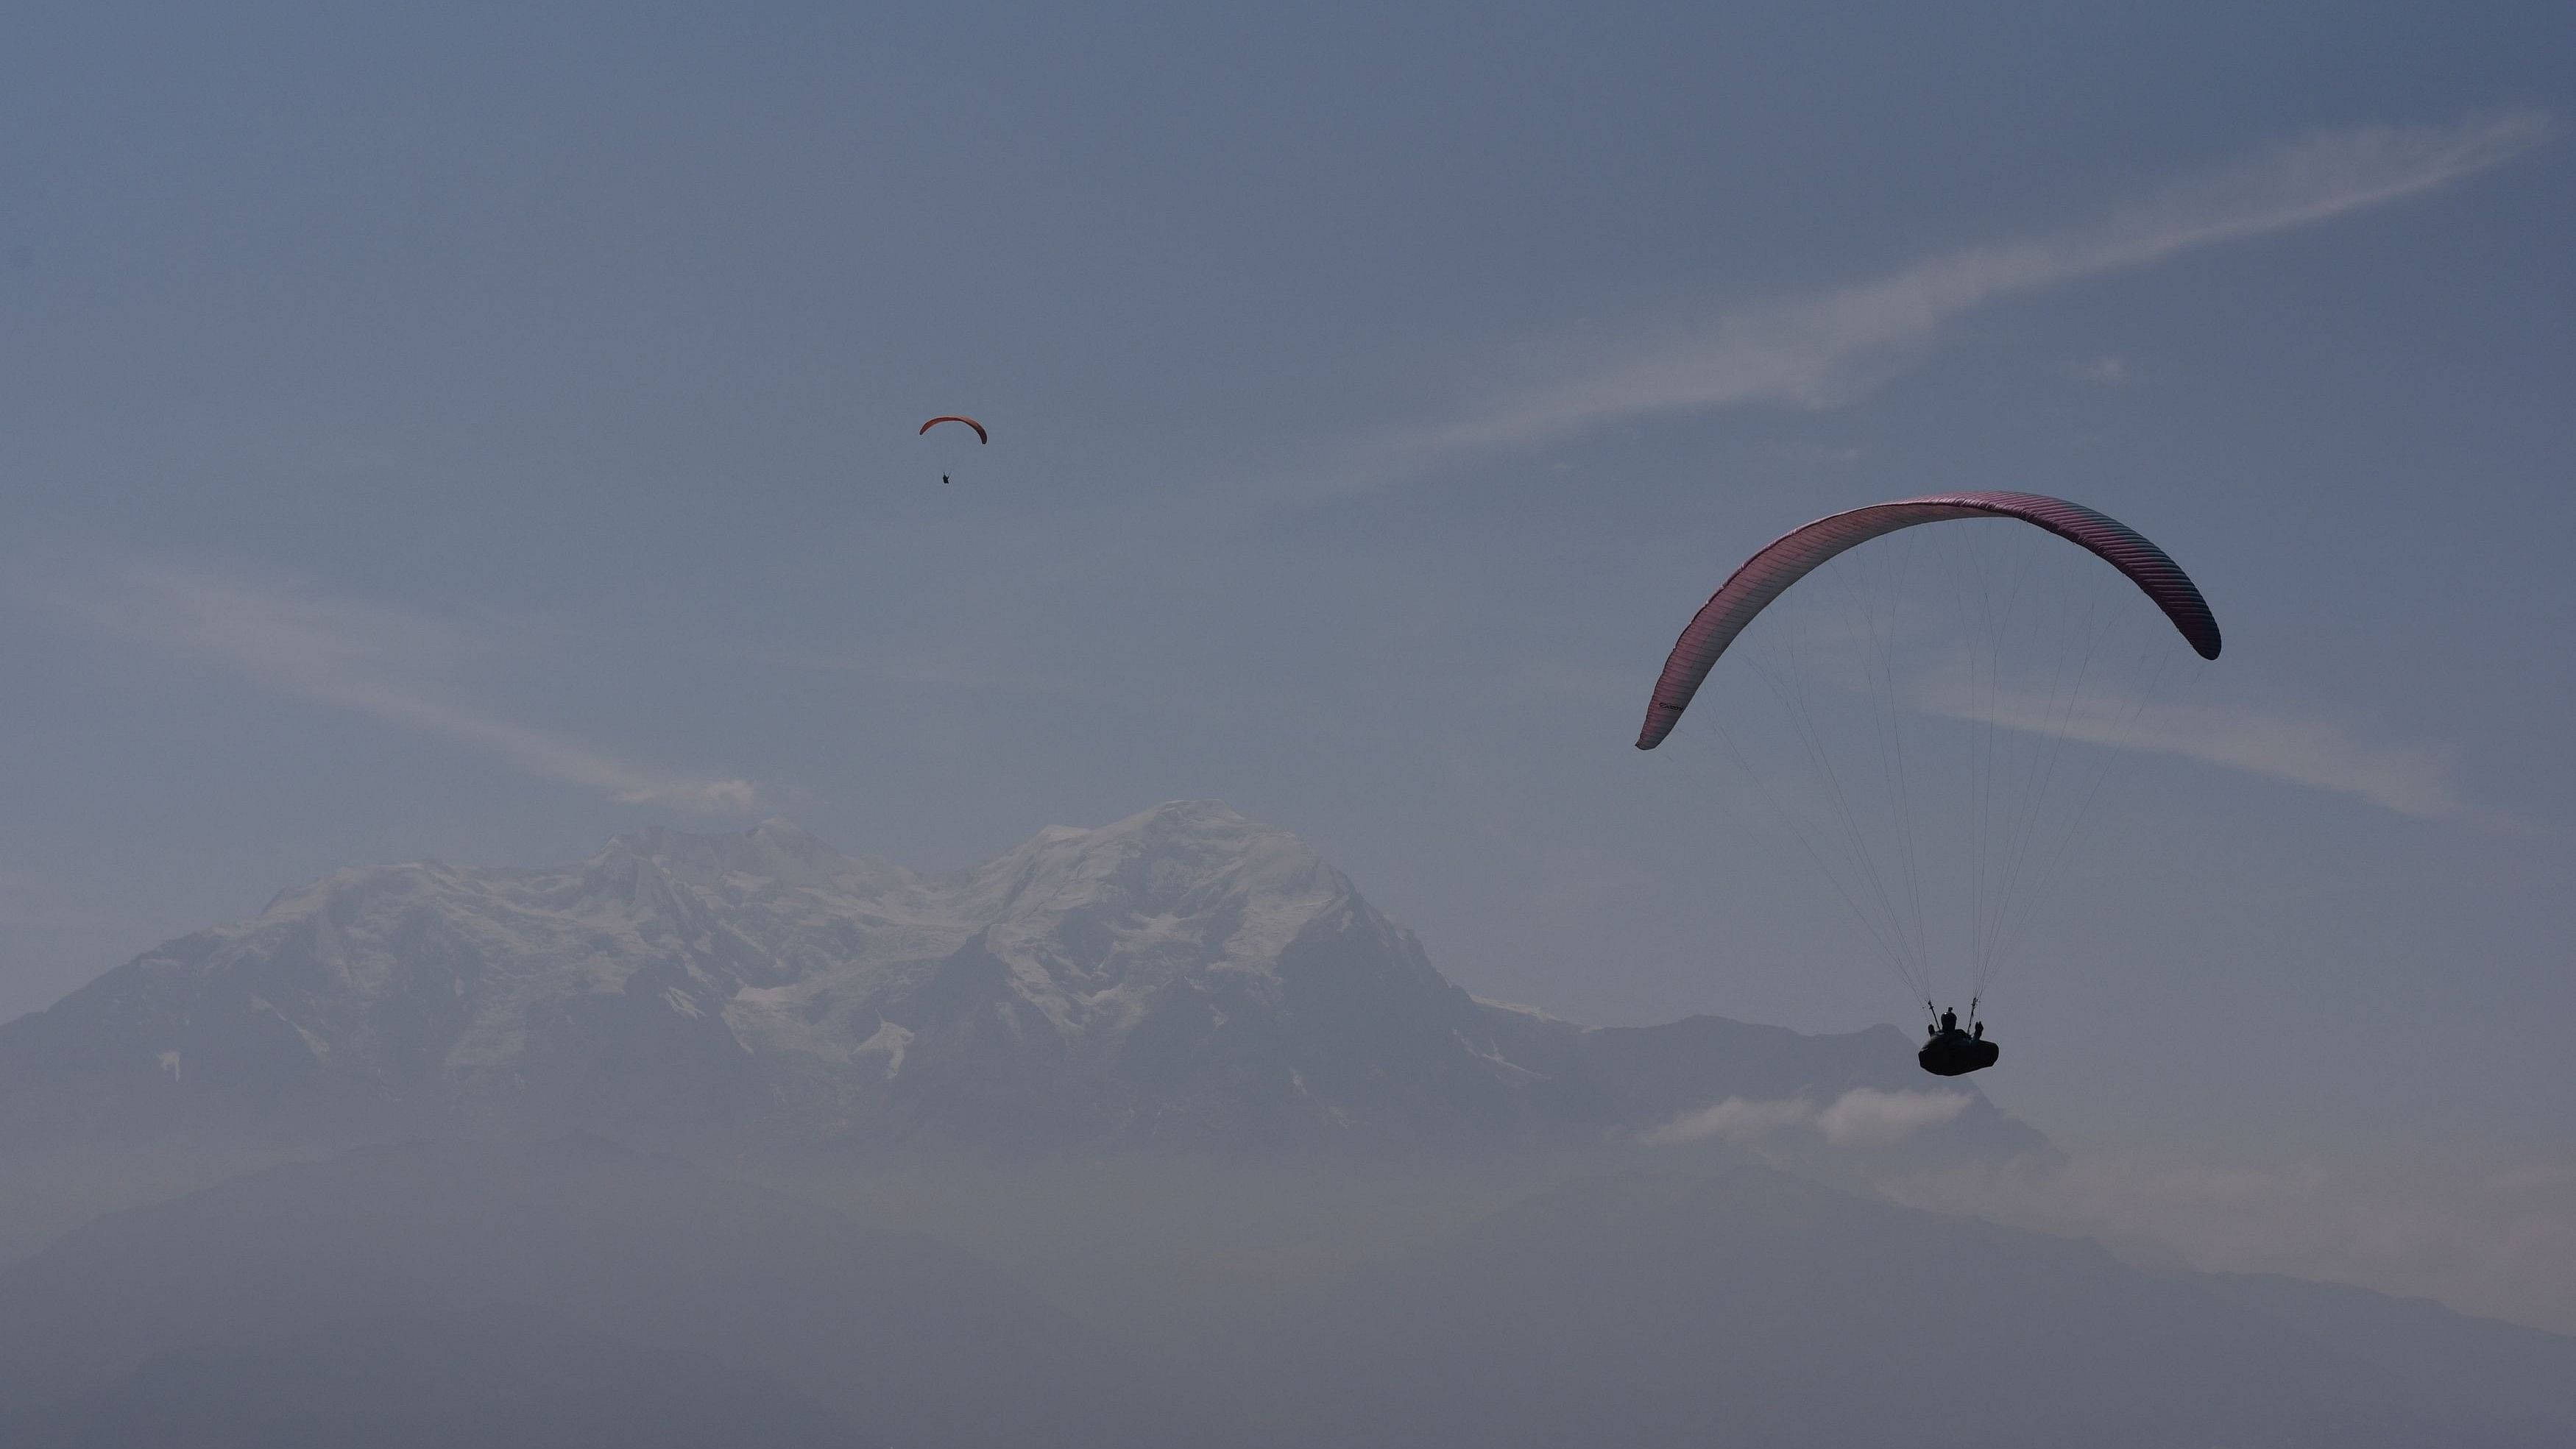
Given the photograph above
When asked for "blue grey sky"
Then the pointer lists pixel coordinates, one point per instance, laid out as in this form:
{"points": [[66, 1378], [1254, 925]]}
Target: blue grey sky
{"points": [[468, 432]]}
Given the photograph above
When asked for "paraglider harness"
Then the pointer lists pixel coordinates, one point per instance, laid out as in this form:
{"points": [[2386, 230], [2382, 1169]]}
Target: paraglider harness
{"points": [[1951, 1052]]}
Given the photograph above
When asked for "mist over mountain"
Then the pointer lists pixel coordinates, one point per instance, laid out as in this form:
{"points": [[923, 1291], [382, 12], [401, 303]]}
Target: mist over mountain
{"points": [[440, 1289], [1745, 1305], [1156, 1134], [1184, 979], [502, 1376], [897, 1332]]}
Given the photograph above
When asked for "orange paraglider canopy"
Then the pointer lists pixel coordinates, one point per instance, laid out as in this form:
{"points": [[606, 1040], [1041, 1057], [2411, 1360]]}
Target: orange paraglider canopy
{"points": [[980, 435]]}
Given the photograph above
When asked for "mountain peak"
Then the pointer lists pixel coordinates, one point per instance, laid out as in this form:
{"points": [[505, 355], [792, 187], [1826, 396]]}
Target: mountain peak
{"points": [[1184, 974], [1172, 820], [1181, 858], [1189, 814]]}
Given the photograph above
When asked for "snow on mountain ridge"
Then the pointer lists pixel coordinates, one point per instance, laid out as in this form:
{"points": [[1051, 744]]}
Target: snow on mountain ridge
{"points": [[1095, 920], [1185, 974], [402, 973]]}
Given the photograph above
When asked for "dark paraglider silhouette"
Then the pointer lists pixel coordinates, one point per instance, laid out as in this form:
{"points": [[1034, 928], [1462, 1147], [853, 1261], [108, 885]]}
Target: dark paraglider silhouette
{"points": [[1951, 1052], [1947, 1050], [981, 437], [1955, 1053]]}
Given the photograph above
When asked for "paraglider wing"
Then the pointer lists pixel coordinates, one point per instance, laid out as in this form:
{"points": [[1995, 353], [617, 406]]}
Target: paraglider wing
{"points": [[1768, 574], [980, 435]]}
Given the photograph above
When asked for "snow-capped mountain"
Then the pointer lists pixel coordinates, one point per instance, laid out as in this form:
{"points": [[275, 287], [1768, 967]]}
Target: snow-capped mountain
{"points": [[1185, 976]]}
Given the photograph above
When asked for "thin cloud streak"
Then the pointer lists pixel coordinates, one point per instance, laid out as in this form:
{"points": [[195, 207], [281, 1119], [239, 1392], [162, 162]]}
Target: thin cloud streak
{"points": [[2413, 781], [1818, 351], [362, 657], [2104, 372]]}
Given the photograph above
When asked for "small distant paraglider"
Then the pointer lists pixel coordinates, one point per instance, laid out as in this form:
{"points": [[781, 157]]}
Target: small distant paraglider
{"points": [[980, 435]]}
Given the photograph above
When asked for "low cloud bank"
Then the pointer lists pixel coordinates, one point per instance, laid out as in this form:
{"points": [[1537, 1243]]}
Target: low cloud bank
{"points": [[1861, 1117], [2497, 1240]]}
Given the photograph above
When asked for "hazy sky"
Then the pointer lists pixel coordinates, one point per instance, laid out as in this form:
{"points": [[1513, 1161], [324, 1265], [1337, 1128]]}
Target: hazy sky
{"points": [[468, 434]]}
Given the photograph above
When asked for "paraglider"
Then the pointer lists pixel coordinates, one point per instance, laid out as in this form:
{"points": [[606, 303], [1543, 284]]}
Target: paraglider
{"points": [[980, 435], [1951, 1052], [1882, 868], [1794, 555]]}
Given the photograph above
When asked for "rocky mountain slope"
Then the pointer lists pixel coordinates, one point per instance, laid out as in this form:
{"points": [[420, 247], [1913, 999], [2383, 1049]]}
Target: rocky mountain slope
{"points": [[1183, 978]]}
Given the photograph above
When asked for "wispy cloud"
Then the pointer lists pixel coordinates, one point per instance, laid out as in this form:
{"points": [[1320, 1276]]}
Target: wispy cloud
{"points": [[2111, 371], [1861, 1117], [1737, 1119], [383, 662], [1867, 1117], [1819, 350], [2412, 780]]}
